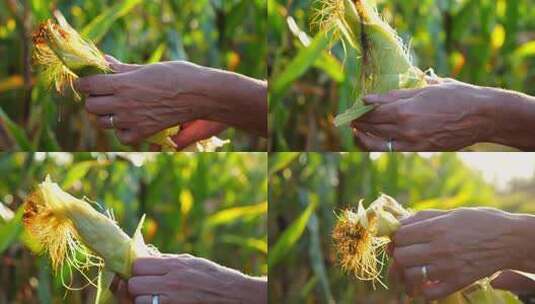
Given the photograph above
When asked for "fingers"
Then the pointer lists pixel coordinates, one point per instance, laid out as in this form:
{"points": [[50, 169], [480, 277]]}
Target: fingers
{"points": [[104, 122], [413, 255], [196, 131], [381, 130], [373, 143], [438, 290], [392, 96], [146, 285], [128, 136], [422, 215], [385, 114], [147, 299], [415, 233], [395, 272], [369, 142], [97, 85], [119, 67], [101, 105], [150, 266]]}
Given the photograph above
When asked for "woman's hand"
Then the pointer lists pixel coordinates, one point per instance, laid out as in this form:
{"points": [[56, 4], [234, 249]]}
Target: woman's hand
{"points": [[446, 116], [457, 248], [187, 279], [146, 99]]}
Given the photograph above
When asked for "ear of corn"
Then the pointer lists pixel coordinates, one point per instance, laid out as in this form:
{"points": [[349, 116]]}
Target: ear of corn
{"points": [[385, 61], [67, 227], [360, 238], [63, 56]]}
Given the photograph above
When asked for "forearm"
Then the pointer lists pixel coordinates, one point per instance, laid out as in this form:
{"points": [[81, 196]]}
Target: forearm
{"points": [[514, 119], [241, 101]]}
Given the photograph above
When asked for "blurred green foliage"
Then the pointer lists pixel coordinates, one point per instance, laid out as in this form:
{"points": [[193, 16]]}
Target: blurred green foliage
{"points": [[307, 189], [212, 205], [226, 34], [484, 42]]}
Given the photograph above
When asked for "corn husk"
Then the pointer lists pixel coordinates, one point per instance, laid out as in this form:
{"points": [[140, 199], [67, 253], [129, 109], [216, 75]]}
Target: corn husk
{"points": [[67, 228], [385, 60], [360, 238]]}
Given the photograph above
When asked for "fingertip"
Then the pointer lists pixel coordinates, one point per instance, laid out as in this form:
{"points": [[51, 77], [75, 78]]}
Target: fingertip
{"points": [[82, 85]]}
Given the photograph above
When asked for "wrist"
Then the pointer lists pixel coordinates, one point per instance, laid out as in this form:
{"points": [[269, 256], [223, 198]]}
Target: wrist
{"points": [[237, 100], [213, 85], [522, 247], [488, 107], [511, 115], [252, 290]]}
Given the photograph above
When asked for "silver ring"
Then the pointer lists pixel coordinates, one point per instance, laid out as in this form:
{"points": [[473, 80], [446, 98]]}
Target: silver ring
{"points": [[425, 275], [155, 299], [390, 146], [112, 121]]}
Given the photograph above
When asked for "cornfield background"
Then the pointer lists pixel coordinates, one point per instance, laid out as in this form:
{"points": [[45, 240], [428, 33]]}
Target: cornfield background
{"points": [[307, 189], [484, 42], [212, 205], [226, 34]]}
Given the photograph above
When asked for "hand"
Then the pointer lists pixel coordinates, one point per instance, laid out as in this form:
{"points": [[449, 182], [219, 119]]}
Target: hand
{"points": [[120, 291], [187, 279], [457, 247], [146, 99], [515, 282], [447, 115]]}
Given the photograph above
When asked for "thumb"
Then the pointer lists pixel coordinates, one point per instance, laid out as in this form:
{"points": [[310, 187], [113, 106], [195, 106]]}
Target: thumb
{"points": [[196, 131], [119, 67]]}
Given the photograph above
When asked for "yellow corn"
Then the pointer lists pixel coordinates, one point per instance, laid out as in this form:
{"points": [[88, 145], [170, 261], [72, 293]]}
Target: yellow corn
{"points": [[66, 227]]}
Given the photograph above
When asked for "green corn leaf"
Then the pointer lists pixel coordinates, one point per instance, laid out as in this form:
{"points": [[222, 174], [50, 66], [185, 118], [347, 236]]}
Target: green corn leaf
{"points": [[10, 232], [251, 243], [76, 173], [97, 28], [290, 236], [16, 132], [280, 161], [235, 214], [300, 64]]}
